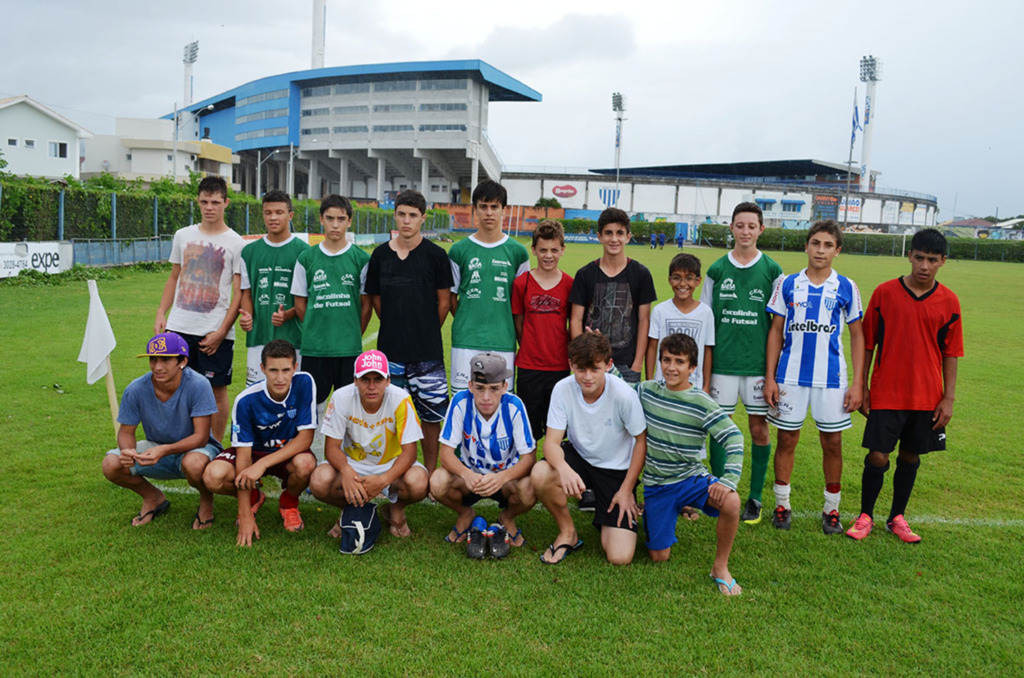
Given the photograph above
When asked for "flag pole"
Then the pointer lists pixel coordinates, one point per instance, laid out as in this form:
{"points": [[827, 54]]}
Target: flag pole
{"points": [[112, 396], [849, 162]]}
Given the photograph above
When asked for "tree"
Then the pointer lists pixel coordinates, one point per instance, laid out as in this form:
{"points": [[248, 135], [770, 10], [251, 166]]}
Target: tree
{"points": [[548, 202]]}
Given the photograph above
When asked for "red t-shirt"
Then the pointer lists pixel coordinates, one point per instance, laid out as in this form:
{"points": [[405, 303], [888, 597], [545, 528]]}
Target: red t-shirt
{"points": [[910, 336], [545, 344]]}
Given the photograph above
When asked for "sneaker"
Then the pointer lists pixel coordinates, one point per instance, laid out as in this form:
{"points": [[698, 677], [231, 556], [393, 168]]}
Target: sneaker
{"points": [[830, 523], [292, 519], [781, 518], [751, 512], [476, 544], [899, 527], [498, 542], [588, 502], [861, 527]]}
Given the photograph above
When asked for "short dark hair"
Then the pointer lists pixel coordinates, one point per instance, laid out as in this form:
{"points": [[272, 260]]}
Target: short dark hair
{"points": [[278, 348], [929, 241], [827, 226], [278, 196], [411, 198], [549, 229], [490, 191], [335, 200], [679, 344], [612, 215], [749, 207], [214, 184], [684, 262], [589, 349]]}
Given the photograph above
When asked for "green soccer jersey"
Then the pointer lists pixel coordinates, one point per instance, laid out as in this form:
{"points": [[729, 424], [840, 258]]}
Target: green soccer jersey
{"points": [[483, 275], [738, 295], [677, 424], [267, 270], [333, 285]]}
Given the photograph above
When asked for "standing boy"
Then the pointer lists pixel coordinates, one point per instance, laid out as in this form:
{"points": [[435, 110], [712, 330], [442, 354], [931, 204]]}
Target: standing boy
{"points": [[683, 314], [487, 450], [268, 264], [202, 293], [605, 451], [174, 405], [371, 431], [613, 295], [540, 311], [483, 268], [914, 330], [330, 301], [272, 426], [737, 288], [408, 282], [679, 417], [810, 309]]}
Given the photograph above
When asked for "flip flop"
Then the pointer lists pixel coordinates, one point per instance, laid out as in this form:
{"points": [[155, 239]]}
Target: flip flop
{"points": [[512, 538], [729, 586], [202, 524], [567, 550], [161, 509], [458, 535]]}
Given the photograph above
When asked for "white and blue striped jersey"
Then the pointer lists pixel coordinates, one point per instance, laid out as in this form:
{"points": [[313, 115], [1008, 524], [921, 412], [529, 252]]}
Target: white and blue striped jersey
{"points": [[487, 445], [812, 348]]}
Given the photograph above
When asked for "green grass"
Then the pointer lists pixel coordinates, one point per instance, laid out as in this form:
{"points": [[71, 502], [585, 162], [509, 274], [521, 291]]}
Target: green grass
{"points": [[84, 593]]}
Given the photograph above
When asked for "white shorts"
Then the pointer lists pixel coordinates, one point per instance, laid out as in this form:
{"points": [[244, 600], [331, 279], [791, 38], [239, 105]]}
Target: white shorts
{"points": [[460, 367], [389, 492], [728, 389], [253, 360], [826, 406]]}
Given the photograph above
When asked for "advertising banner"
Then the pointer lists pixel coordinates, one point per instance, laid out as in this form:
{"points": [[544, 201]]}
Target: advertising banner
{"points": [[47, 257]]}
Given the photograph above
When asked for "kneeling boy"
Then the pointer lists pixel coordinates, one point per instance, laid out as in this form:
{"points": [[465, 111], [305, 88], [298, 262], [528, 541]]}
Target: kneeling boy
{"points": [[679, 417], [487, 450], [370, 434], [272, 425], [605, 452]]}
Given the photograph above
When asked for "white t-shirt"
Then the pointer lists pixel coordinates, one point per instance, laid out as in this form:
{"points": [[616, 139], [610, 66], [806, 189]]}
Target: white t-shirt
{"points": [[203, 294], [603, 432], [372, 442], [699, 323]]}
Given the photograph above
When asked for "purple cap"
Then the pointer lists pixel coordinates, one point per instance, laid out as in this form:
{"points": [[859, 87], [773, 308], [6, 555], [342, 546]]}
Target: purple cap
{"points": [[165, 344]]}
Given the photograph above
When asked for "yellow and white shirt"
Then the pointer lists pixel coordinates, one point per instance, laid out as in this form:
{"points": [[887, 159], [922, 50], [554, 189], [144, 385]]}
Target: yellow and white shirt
{"points": [[372, 442]]}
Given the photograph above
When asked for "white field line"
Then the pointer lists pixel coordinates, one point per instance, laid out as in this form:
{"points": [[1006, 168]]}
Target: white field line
{"points": [[367, 340]]}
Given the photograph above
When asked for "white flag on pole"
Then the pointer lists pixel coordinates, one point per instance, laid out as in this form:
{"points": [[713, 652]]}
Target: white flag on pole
{"points": [[99, 339]]}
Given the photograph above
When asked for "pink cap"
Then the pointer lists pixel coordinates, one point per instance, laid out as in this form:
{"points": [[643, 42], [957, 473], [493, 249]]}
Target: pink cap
{"points": [[372, 361]]}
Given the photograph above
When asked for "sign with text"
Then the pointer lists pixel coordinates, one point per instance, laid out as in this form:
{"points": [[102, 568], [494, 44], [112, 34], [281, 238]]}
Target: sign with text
{"points": [[47, 257]]}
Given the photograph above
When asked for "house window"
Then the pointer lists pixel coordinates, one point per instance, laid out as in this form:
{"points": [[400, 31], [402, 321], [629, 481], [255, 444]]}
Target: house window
{"points": [[58, 149], [394, 86], [128, 156], [442, 107], [393, 128], [394, 108], [30, 143], [352, 88], [322, 91], [12, 142], [444, 84], [307, 131], [308, 112], [790, 207], [170, 158], [351, 129]]}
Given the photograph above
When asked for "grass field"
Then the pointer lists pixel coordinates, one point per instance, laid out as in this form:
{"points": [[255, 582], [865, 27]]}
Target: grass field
{"points": [[84, 593]]}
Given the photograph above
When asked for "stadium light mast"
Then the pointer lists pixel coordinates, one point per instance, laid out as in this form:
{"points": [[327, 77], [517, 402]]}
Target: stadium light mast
{"points": [[189, 56], [870, 73], [259, 168], [319, 33], [619, 107]]}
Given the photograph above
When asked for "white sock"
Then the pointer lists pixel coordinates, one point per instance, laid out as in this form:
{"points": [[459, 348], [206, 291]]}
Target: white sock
{"points": [[782, 496], [831, 501]]}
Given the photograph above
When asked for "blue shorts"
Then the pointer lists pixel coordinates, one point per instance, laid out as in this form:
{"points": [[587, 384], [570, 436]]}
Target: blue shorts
{"points": [[169, 466], [662, 504], [427, 383]]}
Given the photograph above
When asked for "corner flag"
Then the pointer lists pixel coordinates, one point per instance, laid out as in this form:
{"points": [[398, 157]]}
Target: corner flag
{"points": [[97, 346]]}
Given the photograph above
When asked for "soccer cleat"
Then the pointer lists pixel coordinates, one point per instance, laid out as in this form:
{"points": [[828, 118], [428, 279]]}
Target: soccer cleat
{"points": [[751, 512], [781, 518], [861, 527], [476, 544], [292, 519], [498, 542], [830, 523], [899, 527], [588, 502]]}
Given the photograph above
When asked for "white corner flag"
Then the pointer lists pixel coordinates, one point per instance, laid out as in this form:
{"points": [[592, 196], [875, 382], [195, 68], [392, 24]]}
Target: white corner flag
{"points": [[99, 339]]}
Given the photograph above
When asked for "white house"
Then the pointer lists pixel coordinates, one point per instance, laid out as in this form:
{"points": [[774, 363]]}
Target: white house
{"points": [[37, 141]]}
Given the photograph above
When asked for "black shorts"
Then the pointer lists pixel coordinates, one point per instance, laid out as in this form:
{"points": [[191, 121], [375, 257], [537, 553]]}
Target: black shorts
{"points": [[912, 429], [471, 498], [604, 483], [534, 388], [329, 373], [217, 367]]}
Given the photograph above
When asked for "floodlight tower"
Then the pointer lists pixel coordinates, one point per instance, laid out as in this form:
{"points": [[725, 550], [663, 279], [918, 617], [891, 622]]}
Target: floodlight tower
{"points": [[189, 56], [619, 107], [870, 73], [319, 32]]}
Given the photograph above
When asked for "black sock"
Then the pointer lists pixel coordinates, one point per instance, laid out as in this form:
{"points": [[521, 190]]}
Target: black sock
{"points": [[902, 485], [871, 484]]}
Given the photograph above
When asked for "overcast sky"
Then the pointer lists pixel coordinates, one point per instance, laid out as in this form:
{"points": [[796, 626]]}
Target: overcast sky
{"points": [[704, 81]]}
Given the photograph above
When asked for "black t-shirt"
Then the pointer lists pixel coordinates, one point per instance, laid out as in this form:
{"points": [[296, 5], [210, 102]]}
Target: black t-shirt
{"points": [[409, 328], [612, 305]]}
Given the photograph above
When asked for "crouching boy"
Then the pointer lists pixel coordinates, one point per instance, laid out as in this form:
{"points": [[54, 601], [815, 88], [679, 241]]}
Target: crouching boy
{"points": [[605, 452], [679, 417], [487, 450], [370, 434]]}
